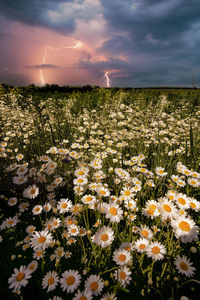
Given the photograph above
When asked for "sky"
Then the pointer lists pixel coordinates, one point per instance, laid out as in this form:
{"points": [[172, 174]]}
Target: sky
{"points": [[137, 43]]}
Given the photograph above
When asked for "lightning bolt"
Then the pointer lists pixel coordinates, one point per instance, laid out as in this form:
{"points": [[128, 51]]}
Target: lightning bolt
{"points": [[107, 79], [77, 45]]}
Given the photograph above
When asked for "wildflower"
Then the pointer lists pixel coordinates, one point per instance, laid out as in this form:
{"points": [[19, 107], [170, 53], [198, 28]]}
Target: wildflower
{"points": [[94, 284], [88, 199], [64, 205], [185, 229], [70, 280], [41, 240], [12, 201], [50, 281], [31, 192], [84, 295], [141, 245], [121, 257], [19, 278], [113, 212], [160, 171], [109, 296], [156, 251], [145, 232], [194, 182], [38, 254], [37, 209], [32, 266], [184, 266], [123, 276], [104, 237], [182, 201]]}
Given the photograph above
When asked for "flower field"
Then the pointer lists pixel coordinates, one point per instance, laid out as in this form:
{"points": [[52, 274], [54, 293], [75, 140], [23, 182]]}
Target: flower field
{"points": [[100, 195]]}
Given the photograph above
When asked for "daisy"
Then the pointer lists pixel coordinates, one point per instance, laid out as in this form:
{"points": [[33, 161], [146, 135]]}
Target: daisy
{"points": [[121, 257], [113, 212], [19, 278], [33, 266], [81, 172], [47, 207], [103, 192], [31, 192], [156, 251], [141, 245], [73, 230], [22, 170], [181, 201], [37, 209], [50, 281], [84, 295], [12, 201], [94, 284], [64, 205], [104, 237], [184, 266], [88, 199], [167, 209], [185, 229], [41, 240], [109, 296], [160, 171], [80, 181], [30, 229], [131, 204], [194, 204], [145, 232], [126, 246], [127, 193], [19, 179], [194, 182], [151, 209], [38, 254], [123, 275], [70, 280]]}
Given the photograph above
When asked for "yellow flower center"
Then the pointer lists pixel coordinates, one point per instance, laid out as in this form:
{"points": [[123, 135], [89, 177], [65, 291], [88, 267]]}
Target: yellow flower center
{"points": [[94, 286], [183, 266], [51, 280], [33, 191], [153, 206], [122, 275], [155, 250], [144, 233], [127, 193], [113, 211], [193, 182], [20, 276], [64, 205], [192, 205], [88, 199], [41, 239], [82, 298], [181, 201], [122, 257], [104, 237], [142, 246], [70, 280], [80, 173], [183, 225], [167, 208]]}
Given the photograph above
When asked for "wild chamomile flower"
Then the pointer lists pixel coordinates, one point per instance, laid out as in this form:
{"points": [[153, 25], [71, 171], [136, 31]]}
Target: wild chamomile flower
{"points": [[184, 266], [185, 229], [104, 237], [41, 240], [123, 275], [141, 245], [19, 278], [50, 281], [94, 284], [84, 295], [156, 251], [121, 257], [64, 205], [70, 280], [31, 192]]}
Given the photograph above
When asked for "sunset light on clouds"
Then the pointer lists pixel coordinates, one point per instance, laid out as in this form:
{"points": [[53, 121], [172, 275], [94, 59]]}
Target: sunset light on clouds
{"points": [[138, 43]]}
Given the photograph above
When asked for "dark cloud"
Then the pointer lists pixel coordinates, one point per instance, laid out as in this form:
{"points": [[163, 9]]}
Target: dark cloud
{"points": [[43, 66], [34, 13]]}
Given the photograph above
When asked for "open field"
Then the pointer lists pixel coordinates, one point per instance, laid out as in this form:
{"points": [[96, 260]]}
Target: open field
{"points": [[100, 194]]}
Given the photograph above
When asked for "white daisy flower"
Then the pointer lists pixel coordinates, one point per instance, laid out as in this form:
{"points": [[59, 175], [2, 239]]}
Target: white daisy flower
{"points": [[32, 266], [88, 199], [19, 278], [113, 212], [104, 237], [156, 251], [94, 284], [50, 281], [184, 266], [185, 229], [41, 240], [121, 257], [123, 275], [70, 280], [37, 209], [141, 245], [84, 295], [145, 232], [31, 192], [64, 205]]}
